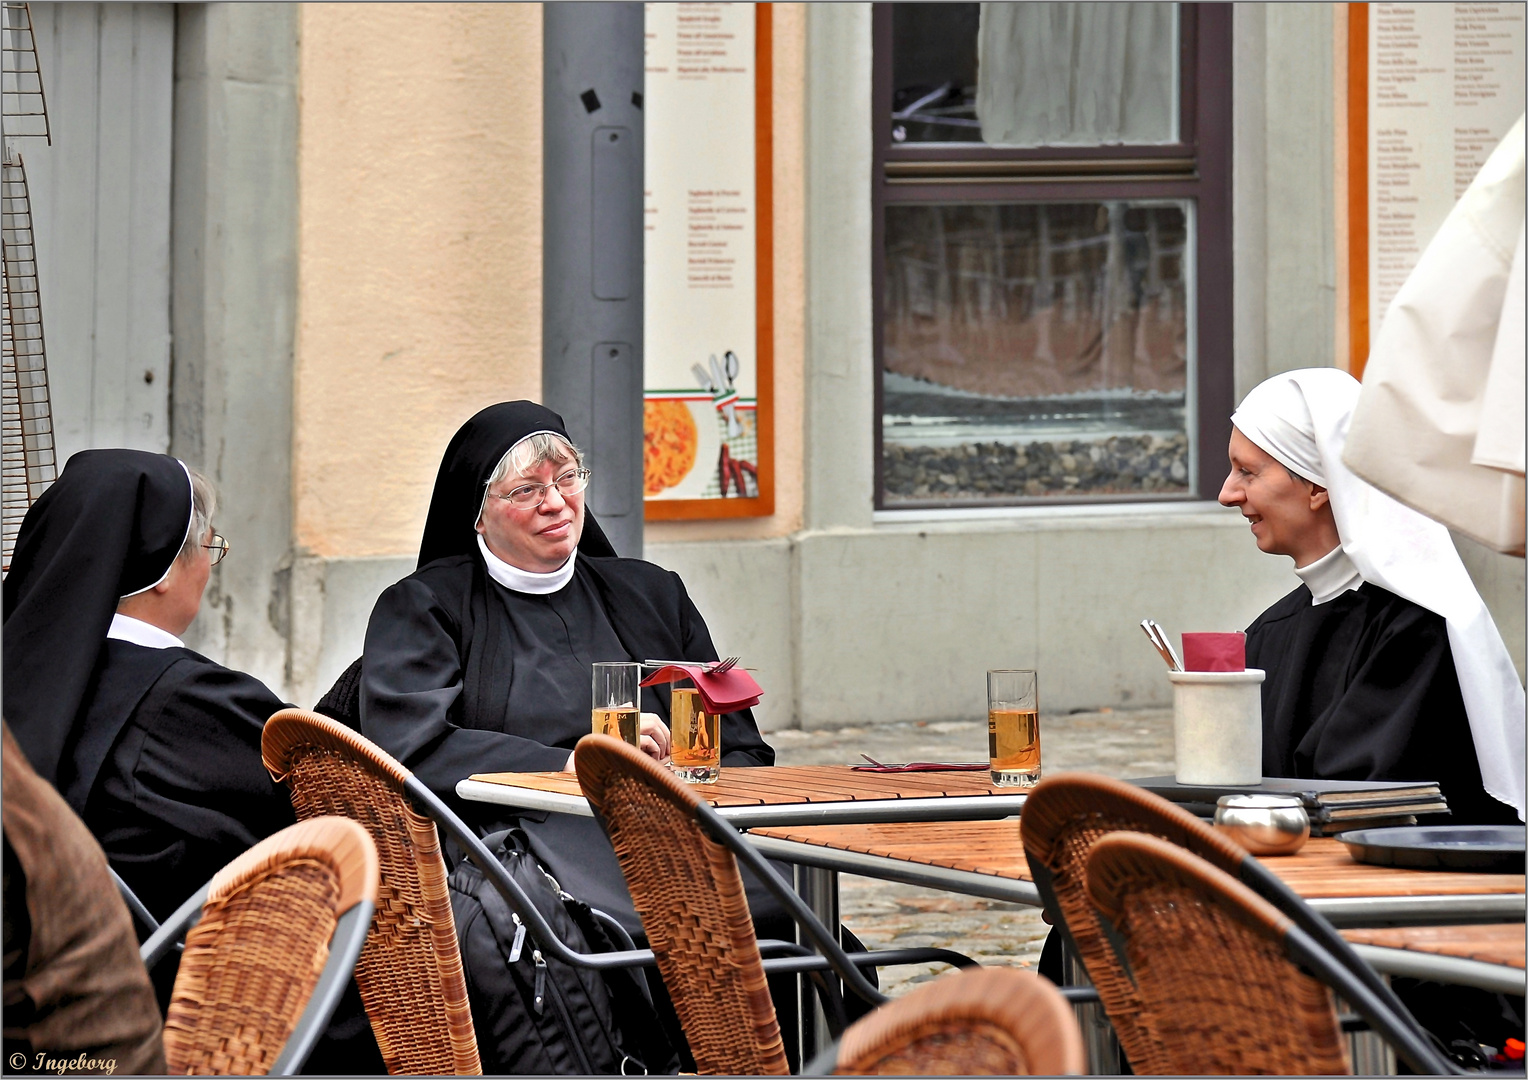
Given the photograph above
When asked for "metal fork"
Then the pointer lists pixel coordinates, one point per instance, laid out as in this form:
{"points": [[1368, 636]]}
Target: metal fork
{"points": [[716, 668]]}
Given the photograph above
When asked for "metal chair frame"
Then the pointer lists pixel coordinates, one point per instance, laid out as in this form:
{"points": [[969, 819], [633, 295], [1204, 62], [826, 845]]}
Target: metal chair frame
{"points": [[344, 950], [790, 958], [1310, 955], [784, 957], [1314, 942]]}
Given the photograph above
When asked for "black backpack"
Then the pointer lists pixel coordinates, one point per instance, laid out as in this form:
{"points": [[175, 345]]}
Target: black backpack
{"points": [[534, 1014]]}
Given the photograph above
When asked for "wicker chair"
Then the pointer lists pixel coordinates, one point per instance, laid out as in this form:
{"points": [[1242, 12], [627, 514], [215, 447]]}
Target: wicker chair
{"points": [[272, 941], [410, 972], [681, 865], [983, 1022], [1218, 982], [1067, 814]]}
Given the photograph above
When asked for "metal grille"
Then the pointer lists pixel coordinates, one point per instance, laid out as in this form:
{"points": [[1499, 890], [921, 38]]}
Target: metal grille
{"points": [[26, 416], [24, 107]]}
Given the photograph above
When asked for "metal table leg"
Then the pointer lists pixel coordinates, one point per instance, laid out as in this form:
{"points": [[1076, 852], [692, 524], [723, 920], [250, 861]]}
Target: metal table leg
{"points": [[1098, 1036], [819, 889]]}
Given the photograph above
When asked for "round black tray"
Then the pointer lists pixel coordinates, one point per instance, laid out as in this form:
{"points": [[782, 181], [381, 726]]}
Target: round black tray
{"points": [[1490, 848]]}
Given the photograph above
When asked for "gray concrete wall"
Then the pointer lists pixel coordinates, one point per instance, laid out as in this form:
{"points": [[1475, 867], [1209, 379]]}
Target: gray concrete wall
{"points": [[234, 301], [1283, 180]]}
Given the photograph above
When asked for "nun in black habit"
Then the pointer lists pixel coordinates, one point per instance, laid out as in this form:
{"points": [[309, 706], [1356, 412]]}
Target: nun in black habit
{"points": [[480, 660], [1384, 663], [155, 746]]}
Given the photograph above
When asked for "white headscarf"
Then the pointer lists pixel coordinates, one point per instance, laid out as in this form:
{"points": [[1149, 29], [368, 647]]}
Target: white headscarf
{"points": [[1301, 418]]}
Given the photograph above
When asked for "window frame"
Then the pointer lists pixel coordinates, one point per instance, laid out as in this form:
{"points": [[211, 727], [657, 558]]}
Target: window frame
{"points": [[1197, 169]]}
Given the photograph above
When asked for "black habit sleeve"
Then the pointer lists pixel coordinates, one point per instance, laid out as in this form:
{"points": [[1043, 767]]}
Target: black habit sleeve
{"points": [[1363, 687]]}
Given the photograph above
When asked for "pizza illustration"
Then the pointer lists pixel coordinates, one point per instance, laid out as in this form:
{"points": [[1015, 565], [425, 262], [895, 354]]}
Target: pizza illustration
{"points": [[669, 441]]}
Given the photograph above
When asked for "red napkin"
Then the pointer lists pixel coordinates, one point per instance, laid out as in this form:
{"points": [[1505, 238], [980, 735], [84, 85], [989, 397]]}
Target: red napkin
{"points": [[1215, 652], [724, 693]]}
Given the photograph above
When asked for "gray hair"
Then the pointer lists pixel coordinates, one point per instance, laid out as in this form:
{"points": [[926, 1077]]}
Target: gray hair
{"points": [[533, 450], [204, 503]]}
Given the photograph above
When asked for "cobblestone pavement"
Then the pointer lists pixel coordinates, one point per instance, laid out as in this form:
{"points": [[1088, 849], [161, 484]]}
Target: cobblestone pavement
{"points": [[889, 915]]}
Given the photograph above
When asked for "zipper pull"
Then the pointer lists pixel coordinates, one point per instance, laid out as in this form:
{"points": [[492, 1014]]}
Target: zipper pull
{"points": [[519, 943], [540, 993]]}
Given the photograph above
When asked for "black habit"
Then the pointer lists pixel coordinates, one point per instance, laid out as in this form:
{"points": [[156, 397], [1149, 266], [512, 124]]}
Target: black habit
{"points": [[1363, 687], [167, 770]]}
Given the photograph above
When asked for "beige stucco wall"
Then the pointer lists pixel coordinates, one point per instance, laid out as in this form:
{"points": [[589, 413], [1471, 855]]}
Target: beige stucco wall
{"points": [[419, 250]]}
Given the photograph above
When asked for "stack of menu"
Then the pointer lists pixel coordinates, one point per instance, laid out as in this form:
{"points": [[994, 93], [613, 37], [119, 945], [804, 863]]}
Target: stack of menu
{"points": [[1333, 805]]}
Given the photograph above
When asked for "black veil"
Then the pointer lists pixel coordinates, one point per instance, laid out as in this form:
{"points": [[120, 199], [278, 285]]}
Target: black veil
{"points": [[109, 526], [469, 461]]}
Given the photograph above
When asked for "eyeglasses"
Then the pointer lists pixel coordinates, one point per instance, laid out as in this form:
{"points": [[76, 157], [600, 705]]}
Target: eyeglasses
{"points": [[527, 496], [219, 548]]}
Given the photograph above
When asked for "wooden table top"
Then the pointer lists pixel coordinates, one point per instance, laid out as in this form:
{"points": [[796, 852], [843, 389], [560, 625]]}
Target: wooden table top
{"points": [[1491, 943], [785, 784], [1322, 869]]}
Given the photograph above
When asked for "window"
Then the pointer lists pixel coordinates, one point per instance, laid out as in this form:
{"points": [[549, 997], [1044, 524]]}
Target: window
{"points": [[1052, 252]]}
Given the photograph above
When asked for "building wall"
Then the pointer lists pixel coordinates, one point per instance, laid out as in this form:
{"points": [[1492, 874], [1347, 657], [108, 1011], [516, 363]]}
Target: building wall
{"points": [[415, 245], [419, 253]]}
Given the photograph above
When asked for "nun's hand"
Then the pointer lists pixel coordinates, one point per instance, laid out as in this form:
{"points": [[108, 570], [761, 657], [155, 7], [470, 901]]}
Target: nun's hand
{"points": [[655, 737]]}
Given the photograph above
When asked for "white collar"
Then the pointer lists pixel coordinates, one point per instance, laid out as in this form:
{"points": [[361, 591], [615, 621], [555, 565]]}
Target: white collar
{"points": [[512, 577], [1329, 576], [126, 628]]}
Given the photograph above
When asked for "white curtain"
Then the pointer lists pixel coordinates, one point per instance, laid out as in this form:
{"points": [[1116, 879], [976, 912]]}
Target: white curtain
{"points": [[1083, 74]]}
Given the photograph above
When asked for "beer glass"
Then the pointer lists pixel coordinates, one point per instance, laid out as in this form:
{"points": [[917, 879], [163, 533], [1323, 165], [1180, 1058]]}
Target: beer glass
{"points": [[1013, 728], [617, 708], [695, 744]]}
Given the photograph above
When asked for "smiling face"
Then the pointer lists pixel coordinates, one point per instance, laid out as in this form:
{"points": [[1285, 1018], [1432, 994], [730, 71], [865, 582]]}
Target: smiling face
{"points": [[538, 539], [1289, 516]]}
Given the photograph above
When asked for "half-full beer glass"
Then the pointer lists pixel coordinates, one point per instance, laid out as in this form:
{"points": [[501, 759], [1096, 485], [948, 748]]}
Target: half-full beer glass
{"points": [[617, 709], [695, 744], [1013, 727]]}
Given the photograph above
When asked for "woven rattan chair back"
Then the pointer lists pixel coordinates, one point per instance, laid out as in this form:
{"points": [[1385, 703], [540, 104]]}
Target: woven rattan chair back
{"points": [[977, 1022], [252, 961], [1063, 818], [410, 972], [1212, 964], [687, 889]]}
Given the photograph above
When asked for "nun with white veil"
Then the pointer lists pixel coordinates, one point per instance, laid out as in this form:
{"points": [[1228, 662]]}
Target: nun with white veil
{"points": [[1383, 664]]}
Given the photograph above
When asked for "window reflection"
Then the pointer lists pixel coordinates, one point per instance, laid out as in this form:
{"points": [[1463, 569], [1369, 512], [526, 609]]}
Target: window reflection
{"points": [[1035, 350]]}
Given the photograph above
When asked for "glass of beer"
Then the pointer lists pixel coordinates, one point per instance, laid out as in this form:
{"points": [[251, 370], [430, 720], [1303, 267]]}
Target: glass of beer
{"points": [[695, 746], [1013, 728], [617, 710]]}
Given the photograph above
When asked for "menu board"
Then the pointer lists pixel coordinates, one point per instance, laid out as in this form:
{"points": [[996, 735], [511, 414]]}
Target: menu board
{"points": [[1441, 85], [707, 334]]}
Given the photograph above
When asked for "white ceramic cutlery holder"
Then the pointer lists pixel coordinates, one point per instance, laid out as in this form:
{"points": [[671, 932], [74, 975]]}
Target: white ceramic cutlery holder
{"points": [[1218, 726]]}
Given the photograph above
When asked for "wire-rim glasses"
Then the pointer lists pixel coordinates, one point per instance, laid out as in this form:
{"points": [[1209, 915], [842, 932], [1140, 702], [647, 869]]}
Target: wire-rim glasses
{"points": [[527, 496], [219, 548]]}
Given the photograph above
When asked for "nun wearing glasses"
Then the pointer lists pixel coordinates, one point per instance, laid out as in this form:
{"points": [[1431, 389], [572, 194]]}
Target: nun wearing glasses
{"points": [[155, 746], [480, 661]]}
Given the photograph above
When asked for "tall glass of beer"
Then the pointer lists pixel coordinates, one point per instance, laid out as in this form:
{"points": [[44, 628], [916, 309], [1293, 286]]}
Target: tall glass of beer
{"points": [[617, 709], [695, 747], [1013, 728]]}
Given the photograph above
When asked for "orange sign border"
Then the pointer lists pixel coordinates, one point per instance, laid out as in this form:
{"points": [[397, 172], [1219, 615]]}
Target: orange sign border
{"points": [[764, 228], [1358, 188]]}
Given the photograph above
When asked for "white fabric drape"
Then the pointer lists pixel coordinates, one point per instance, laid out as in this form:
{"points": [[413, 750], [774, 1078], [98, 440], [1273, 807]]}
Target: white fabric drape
{"points": [[1302, 418], [1439, 424], [1077, 74]]}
